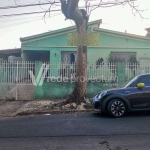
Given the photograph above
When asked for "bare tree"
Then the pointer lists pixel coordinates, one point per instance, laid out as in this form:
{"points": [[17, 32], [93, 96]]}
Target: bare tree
{"points": [[72, 11], [80, 15]]}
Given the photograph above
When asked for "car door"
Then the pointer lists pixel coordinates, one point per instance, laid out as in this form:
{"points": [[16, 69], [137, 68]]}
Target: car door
{"points": [[139, 98]]}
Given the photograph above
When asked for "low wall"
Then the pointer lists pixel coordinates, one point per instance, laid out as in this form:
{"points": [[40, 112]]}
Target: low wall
{"points": [[61, 90], [5, 91], [49, 90], [17, 91]]}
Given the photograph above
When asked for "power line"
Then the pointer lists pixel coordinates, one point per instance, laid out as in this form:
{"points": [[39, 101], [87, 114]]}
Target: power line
{"points": [[17, 6], [28, 5], [38, 12], [40, 4], [21, 19], [22, 3], [10, 25]]}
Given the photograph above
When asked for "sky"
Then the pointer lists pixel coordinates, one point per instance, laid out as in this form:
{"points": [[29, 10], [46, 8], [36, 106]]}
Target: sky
{"points": [[118, 18]]}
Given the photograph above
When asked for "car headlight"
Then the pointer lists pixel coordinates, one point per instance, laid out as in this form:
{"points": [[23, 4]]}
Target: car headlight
{"points": [[102, 94]]}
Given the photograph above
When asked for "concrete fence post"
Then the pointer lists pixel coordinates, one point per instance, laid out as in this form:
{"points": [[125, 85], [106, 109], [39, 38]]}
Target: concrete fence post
{"points": [[121, 73]]}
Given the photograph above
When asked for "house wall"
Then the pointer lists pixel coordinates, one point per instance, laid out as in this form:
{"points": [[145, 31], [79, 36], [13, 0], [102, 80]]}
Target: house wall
{"points": [[111, 42], [59, 40], [55, 45], [108, 42], [95, 53], [114, 40]]}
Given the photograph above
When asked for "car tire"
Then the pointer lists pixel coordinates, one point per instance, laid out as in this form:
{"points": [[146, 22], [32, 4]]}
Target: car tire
{"points": [[116, 108]]}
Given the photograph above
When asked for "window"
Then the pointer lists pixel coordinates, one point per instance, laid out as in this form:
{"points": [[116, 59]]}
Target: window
{"points": [[145, 80], [68, 57], [67, 69], [122, 55], [132, 82]]}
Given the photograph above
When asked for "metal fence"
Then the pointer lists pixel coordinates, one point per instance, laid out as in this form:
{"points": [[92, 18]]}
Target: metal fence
{"points": [[18, 72], [132, 70], [105, 71]]}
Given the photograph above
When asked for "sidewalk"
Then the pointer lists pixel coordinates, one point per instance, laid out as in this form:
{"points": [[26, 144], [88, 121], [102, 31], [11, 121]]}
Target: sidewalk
{"points": [[15, 108]]}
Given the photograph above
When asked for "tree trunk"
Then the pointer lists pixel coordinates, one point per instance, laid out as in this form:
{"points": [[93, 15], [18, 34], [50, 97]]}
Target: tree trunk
{"points": [[72, 12], [79, 91]]}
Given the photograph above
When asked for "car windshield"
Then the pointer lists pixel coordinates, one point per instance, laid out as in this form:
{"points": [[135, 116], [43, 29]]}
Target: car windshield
{"points": [[130, 82]]}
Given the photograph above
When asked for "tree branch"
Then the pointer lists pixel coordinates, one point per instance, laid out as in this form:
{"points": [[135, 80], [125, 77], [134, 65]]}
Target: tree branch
{"points": [[70, 9], [131, 3]]}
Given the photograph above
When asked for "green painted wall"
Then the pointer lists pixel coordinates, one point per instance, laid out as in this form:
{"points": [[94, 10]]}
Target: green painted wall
{"points": [[59, 88], [59, 40], [94, 53], [108, 41]]}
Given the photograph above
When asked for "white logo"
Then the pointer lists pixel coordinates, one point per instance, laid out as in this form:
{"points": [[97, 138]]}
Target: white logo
{"points": [[41, 75]]}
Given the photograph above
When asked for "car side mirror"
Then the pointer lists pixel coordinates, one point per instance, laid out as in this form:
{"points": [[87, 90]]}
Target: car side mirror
{"points": [[140, 85]]}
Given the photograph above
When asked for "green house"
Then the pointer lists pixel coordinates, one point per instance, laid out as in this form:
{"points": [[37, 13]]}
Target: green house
{"points": [[56, 46], [59, 47], [48, 69]]}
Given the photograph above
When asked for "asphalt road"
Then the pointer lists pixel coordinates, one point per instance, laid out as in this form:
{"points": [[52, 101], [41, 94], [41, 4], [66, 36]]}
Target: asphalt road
{"points": [[76, 132]]}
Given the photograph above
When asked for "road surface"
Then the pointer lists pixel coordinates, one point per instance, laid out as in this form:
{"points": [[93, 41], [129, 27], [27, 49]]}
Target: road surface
{"points": [[85, 131]]}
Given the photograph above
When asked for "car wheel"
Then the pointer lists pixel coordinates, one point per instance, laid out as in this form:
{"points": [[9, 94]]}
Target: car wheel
{"points": [[116, 108]]}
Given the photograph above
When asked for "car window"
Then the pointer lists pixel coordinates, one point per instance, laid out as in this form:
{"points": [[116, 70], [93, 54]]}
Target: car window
{"points": [[145, 80], [131, 83], [127, 82]]}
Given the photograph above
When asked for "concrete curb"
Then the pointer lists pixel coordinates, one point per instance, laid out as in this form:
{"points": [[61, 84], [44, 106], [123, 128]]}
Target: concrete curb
{"points": [[52, 112]]}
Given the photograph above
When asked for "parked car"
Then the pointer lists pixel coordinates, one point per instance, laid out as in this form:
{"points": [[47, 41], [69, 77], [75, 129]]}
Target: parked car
{"points": [[134, 96]]}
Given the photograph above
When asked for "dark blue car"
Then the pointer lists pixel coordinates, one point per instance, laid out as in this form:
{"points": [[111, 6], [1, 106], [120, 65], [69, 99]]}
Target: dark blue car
{"points": [[134, 96]]}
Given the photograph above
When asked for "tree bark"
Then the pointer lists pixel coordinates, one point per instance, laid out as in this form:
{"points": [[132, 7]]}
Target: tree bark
{"points": [[74, 13], [79, 91]]}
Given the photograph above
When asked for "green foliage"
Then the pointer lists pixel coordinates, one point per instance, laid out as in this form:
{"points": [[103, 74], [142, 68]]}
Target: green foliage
{"points": [[133, 59], [111, 59], [132, 63]]}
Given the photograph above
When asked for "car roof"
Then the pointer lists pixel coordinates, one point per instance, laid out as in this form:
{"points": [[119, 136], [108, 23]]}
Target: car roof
{"points": [[144, 74]]}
